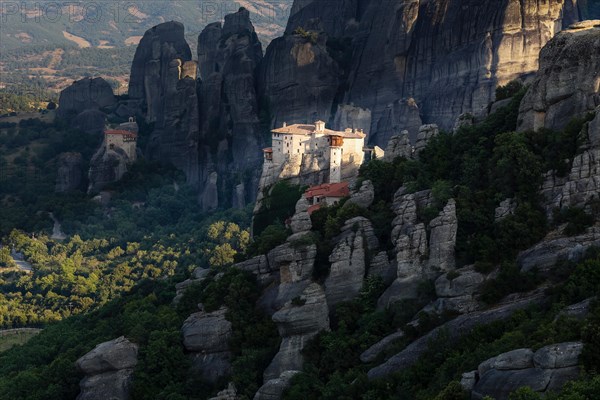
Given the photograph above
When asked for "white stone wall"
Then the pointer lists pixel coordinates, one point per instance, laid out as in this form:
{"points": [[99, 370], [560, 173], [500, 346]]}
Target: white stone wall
{"points": [[335, 165], [118, 141]]}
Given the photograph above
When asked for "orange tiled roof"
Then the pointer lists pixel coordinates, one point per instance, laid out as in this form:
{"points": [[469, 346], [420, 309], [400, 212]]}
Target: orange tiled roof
{"points": [[328, 190], [119, 132], [268, 150], [313, 208]]}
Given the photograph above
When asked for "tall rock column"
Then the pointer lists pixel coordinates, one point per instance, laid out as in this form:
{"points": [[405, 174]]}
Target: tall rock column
{"points": [[163, 82], [231, 140]]}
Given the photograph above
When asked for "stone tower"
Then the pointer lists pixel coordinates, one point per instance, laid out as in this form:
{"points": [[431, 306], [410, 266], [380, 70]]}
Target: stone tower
{"points": [[336, 144]]}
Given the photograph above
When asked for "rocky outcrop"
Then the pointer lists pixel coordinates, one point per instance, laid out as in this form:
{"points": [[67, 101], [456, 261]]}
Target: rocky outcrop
{"points": [[300, 221], [85, 94], [546, 254], [298, 321], [108, 369], [231, 139], [69, 174], [580, 187], [567, 83], [90, 121], [452, 331], [423, 251], [199, 275], [163, 83], [373, 352], [505, 208], [230, 393], [274, 388], [426, 133], [364, 196], [206, 335], [398, 146], [457, 291], [548, 369], [349, 260], [106, 166]]}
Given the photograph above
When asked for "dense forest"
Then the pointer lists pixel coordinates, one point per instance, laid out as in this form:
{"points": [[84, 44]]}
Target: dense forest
{"points": [[116, 273]]}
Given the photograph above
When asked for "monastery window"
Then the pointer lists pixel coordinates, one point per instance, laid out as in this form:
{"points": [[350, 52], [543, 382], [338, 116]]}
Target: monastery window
{"points": [[298, 150]]}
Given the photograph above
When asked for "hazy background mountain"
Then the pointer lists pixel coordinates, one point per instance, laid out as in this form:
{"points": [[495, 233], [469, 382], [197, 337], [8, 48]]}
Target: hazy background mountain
{"points": [[46, 45]]}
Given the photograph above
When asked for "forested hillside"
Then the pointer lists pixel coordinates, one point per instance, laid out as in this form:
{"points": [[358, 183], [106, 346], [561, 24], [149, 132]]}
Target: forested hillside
{"points": [[142, 251]]}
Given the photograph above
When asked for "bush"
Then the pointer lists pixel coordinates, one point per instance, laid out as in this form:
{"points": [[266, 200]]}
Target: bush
{"points": [[577, 220], [508, 90]]}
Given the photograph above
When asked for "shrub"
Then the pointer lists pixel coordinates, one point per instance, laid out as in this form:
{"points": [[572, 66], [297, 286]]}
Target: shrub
{"points": [[508, 90]]}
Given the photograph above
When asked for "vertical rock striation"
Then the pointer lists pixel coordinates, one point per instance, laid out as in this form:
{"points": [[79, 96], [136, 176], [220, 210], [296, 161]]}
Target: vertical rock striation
{"points": [[163, 82], [408, 62], [568, 81], [230, 129]]}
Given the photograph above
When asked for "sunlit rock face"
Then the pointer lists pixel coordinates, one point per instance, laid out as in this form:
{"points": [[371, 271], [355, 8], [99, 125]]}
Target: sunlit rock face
{"points": [[408, 63]]}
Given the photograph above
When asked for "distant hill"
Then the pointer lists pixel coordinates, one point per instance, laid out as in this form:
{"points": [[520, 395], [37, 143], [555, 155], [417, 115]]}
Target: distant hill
{"points": [[44, 47]]}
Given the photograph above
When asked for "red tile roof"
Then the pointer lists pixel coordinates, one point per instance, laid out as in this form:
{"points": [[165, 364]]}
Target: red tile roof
{"points": [[328, 190], [313, 208], [268, 150]]}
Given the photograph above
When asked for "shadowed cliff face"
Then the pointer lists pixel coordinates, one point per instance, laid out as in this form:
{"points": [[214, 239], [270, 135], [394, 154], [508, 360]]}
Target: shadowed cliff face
{"points": [[231, 138], [163, 82], [416, 61]]}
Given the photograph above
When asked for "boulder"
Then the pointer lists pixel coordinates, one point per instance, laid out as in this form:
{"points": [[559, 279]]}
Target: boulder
{"points": [[273, 389], [559, 355], [207, 331], [108, 370], [113, 385], [372, 352], [230, 393], [466, 283], [364, 196], [546, 254], [348, 260], [206, 335], [398, 146], [113, 355], [106, 166], [515, 359], [298, 321], [85, 94], [455, 329]]}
